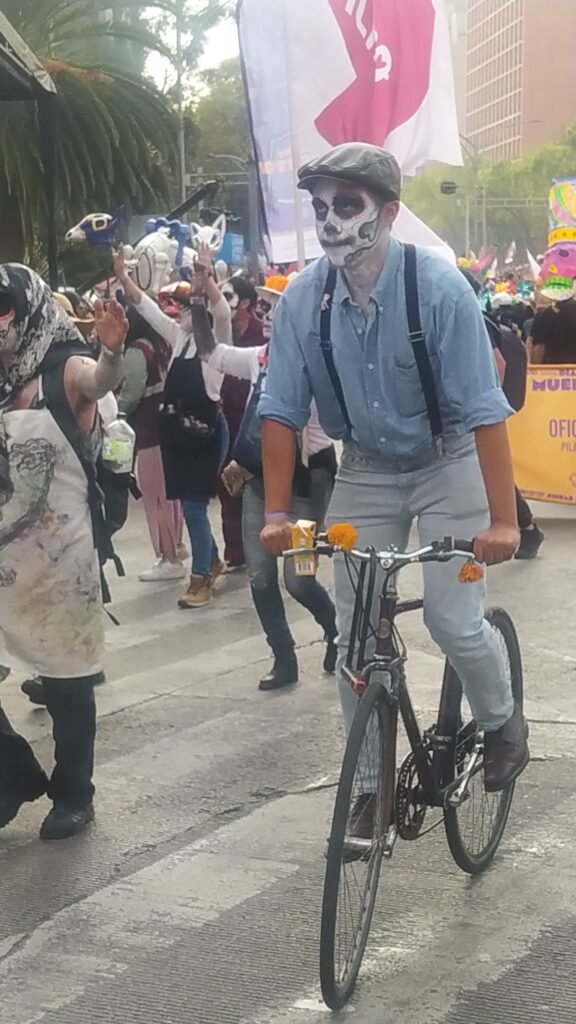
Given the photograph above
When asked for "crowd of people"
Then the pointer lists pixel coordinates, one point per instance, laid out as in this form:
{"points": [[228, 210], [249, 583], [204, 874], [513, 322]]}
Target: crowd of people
{"points": [[240, 390]]}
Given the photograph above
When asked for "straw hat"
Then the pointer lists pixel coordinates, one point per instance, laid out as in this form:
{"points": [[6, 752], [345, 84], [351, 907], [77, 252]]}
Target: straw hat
{"points": [[65, 304], [273, 287]]}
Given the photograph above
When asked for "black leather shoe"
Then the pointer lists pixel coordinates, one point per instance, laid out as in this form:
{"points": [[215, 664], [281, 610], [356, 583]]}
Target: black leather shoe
{"points": [[8, 810], [9, 806], [531, 539], [63, 822], [284, 673], [506, 753], [34, 691], [330, 657]]}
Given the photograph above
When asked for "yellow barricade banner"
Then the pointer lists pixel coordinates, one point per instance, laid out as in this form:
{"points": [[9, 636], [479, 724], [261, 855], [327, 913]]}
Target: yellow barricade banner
{"points": [[543, 436]]}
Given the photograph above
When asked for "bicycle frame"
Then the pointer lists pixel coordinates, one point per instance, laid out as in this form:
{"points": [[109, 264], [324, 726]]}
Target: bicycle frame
{"points": [[389, 659]]}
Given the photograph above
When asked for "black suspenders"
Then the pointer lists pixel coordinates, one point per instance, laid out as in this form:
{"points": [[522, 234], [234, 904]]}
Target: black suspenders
{"points": [[415, 333]]}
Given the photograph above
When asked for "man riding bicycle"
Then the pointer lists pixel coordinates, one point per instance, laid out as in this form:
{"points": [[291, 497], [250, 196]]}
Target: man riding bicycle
{"points": [[391, 344]]}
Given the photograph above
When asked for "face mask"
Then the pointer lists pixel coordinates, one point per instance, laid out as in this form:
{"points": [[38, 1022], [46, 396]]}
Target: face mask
{"points": [[231, 298], [186, 320], [349, 222]]}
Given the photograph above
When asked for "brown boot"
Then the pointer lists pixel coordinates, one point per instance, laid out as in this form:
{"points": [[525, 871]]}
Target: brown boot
{"points": [[198, 594], [217, 569]]}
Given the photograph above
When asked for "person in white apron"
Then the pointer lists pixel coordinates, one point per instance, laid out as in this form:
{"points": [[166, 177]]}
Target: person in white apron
{"points": [[51, 616]]}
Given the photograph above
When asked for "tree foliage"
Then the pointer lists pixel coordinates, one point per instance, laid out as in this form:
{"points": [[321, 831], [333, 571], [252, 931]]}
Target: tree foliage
{"points": [[527, 178], [116, 139], [217, 130]]}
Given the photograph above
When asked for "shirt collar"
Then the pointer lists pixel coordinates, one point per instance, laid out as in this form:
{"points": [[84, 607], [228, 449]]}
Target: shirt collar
{"points": [[341, 293]]}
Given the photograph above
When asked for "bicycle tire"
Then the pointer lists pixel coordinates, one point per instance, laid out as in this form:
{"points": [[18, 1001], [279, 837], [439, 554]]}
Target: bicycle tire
{"points": [[474, 861], [337, 984]]}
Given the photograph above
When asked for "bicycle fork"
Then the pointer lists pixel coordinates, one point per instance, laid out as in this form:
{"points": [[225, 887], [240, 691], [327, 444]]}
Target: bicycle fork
{"points": [[388, 797]]}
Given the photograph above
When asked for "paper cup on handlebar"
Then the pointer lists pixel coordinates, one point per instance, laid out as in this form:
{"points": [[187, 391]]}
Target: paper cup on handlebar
{"points": [[303, 534]]}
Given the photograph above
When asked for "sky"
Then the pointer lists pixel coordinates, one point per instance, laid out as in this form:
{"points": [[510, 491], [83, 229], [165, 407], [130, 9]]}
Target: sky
{"points": [[222, 43]]}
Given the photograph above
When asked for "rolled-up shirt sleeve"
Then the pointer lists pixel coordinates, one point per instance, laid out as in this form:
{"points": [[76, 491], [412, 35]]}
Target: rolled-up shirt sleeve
{"points": [[287, 398], [467, 367]]}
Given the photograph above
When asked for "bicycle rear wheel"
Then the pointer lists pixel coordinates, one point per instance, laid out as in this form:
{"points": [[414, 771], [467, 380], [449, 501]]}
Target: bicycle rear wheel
{"points": [[475, 828], [353, 865]]}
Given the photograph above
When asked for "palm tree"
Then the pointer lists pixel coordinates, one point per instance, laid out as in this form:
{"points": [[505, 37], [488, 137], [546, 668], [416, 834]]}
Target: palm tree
{"points": [[115, 131]]}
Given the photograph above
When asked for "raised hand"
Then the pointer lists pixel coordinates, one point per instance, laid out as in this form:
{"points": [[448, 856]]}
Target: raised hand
{"points": [[200, 278], [111, 325], [204, 256], [119, 264]]}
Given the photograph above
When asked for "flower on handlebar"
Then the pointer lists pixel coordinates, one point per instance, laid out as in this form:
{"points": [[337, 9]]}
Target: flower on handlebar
{"points": [[470, 572], [343, 536]]}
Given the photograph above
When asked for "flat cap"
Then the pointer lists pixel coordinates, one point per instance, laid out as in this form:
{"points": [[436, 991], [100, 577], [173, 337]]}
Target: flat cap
{"points": [[359, 163]]}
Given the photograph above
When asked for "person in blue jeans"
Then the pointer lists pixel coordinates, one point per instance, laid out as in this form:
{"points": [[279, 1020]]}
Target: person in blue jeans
{"points": [[398, 467], [312, 485], [191, 463]]}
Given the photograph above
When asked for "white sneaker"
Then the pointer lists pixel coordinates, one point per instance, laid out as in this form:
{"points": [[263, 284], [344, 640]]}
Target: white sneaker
{"points": [[163, 570]]}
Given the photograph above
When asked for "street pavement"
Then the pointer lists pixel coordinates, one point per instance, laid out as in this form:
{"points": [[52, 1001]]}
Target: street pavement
{"points": [[195, 898]]}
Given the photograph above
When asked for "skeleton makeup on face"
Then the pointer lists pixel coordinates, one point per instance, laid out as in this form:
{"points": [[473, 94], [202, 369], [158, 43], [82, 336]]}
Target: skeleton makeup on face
{"points": [[265, 308], [231, 297], [349, 221]]}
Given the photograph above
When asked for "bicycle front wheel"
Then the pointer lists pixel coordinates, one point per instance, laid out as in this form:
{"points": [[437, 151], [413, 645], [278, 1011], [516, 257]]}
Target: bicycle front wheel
{"points": [[475, 828], [361, 818]]}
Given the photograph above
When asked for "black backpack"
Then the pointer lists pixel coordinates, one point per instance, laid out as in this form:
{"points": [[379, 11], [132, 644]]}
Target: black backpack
{"points": [[107, 492], [515, 355]]}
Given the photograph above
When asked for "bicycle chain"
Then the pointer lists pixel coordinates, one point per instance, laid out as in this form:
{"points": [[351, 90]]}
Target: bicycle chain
{"points": [[410, 808]]}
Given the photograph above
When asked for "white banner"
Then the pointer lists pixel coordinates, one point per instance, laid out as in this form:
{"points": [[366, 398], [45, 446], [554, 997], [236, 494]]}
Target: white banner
{"points": [[322, 72]]}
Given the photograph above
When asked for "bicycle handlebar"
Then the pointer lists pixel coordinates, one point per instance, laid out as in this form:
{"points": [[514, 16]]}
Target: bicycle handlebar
{"points": [[437, 551]]}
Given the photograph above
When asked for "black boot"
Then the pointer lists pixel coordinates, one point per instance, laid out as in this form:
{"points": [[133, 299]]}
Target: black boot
{"points": [[284, 672], [9, 806], [21, 776], [331, 656], [531, 538], [34, 690], [63, 822], [506, 753]]}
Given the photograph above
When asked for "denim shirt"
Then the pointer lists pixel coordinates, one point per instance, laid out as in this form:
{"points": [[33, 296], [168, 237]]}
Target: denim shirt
{"points": [[375, 361]]}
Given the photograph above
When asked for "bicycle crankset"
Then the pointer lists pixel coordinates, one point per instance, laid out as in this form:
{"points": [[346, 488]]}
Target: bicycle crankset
{"points": [[410, 806]]}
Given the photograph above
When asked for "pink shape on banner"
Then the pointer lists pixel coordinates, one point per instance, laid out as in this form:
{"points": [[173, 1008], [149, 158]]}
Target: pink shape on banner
{"points": [[389, 43]]}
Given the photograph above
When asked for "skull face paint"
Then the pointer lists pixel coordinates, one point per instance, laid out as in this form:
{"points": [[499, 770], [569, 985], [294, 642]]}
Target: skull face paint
{"points": [[231, 297], [265, 309], [349, 221]]}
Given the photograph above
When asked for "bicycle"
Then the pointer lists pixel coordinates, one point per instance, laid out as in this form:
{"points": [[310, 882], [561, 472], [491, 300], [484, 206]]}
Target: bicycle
{"points": [[443, 770]]}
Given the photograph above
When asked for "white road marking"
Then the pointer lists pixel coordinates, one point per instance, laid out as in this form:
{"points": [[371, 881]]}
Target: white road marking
{"points": [[96, 938]]}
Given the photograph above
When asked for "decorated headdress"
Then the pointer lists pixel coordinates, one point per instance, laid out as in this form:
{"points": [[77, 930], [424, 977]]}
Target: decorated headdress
{"points": [[558, 270]]}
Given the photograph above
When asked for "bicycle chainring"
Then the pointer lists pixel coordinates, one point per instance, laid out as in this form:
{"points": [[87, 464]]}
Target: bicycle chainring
{"points": [[410, 806]]}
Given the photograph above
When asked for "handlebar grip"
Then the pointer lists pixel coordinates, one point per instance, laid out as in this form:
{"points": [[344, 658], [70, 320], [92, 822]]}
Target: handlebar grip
{"points": [[464, 545]]}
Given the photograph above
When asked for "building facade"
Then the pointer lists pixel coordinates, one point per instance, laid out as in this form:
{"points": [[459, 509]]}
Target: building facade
{"points": [[521, 74]]}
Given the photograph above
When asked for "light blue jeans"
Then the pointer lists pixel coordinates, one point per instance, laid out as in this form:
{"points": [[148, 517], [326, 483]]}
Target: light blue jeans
{"points": [[204, 547], [445, 494]]}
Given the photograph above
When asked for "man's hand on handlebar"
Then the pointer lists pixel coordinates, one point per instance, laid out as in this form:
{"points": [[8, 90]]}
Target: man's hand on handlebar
{"points": [[277, 536], [497, 544]]}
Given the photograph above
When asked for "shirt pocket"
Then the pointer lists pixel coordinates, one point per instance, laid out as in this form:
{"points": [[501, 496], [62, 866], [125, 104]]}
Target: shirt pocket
{"points": [[410, 400]]}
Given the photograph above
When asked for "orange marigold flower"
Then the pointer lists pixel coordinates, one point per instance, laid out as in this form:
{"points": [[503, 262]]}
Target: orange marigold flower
{"points": [[471, 572], [343, 535]]}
